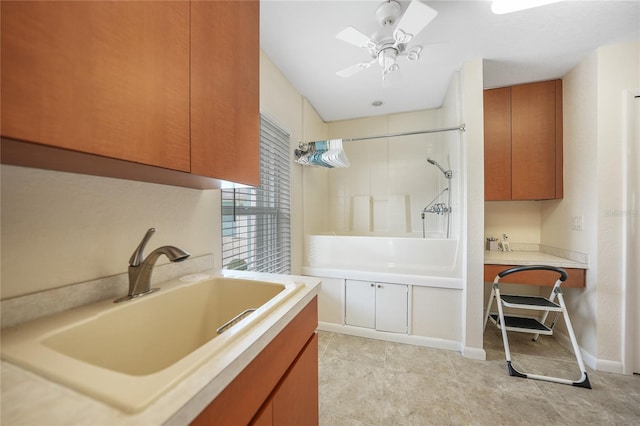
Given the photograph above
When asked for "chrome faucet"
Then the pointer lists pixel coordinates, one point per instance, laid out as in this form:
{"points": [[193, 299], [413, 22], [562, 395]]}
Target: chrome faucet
{"points": [[140, 270]]}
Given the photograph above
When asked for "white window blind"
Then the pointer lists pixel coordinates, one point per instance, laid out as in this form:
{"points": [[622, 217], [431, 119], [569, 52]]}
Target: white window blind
{"points": [[256, 222]]}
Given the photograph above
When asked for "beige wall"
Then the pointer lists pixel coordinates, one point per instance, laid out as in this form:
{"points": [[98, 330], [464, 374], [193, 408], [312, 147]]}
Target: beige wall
{"points": [[314, 180], [473, 209], [520, 220], [282, 103], [594, 181], [580, 194], [617, 70], [62, 228]]}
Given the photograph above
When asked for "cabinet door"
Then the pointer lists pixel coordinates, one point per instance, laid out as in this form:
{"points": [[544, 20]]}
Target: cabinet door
{"points": [[533, 141], [264, 416], [391, 307], [360, 303], [497, 144], [295, 401], [106, 78], [225, 78]]}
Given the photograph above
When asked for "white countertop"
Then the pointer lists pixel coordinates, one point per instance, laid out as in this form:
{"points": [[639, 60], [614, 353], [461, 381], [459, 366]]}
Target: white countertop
{"points": [[546, 256], [29, 399]]}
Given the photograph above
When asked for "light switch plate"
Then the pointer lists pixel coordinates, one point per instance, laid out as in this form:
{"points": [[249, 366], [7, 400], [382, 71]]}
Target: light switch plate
{"points": [[577, 223]]}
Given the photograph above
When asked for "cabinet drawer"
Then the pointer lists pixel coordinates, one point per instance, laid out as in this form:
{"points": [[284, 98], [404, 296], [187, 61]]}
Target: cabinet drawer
{"points": [[576, 277]]}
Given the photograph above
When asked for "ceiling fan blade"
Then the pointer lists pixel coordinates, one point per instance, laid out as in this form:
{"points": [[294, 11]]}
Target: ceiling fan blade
{"points": [[354, 69], [417, 16], [355, 37]]}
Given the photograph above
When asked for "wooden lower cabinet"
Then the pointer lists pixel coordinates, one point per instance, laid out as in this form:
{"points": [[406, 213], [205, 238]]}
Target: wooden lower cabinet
{"points": [[264, 416], [295, 400], [280, 386], [576, 277]]}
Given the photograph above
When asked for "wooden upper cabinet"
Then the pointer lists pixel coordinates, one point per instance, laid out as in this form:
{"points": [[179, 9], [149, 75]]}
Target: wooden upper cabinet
{"points": [[225, 121], [497, 144], [523, 142], [534, 140], [159, 91], [99, 77]]}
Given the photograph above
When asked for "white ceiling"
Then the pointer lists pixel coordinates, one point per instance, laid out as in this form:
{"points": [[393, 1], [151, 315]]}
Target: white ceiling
{"points": [[537, 44]]}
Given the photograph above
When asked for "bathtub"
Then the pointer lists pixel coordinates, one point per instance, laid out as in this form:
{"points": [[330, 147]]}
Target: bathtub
{"points": [[400, 258]]}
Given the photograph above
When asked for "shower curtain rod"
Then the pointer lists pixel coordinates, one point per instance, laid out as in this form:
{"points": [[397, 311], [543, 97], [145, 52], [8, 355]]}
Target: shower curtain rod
{"points": [[419, 132], [392, 135]]}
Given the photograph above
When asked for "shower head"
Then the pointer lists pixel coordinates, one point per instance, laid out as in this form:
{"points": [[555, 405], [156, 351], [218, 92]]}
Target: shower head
{"points": [[447, 173]]}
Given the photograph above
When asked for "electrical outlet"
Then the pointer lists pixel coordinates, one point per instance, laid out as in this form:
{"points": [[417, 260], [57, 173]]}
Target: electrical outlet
{"points": [[577, 223]]}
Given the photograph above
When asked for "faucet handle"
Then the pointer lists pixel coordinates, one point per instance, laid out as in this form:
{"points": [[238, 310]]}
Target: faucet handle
{"points": [[137, 257]]}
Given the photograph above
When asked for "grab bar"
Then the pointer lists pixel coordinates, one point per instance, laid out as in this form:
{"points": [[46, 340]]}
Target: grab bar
{"points": [[234, 320]]}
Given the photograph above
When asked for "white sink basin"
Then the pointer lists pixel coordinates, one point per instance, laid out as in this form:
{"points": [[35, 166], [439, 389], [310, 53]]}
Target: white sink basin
{"points": [[128, 354]]}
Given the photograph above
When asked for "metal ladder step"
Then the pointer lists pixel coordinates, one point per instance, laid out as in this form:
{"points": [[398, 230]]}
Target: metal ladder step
{"points": [[521, 324], [529, 302]]}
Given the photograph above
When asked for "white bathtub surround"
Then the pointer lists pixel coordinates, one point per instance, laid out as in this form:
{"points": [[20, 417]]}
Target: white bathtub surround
{"points": [[399, 213], [408, 259], [361, 218]]}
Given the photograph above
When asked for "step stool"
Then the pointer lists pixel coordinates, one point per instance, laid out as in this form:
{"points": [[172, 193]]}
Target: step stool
{"points": [[534, 326]]}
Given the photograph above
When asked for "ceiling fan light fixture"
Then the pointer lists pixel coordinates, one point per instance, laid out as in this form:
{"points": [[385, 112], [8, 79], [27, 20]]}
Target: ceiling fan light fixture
{"points": [[388, 12], [387, 57], [392, 68]]}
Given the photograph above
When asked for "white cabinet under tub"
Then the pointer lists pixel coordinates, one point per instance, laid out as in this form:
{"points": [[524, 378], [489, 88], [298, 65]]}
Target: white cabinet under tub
{"points": [[417, 310], [379, 306]]}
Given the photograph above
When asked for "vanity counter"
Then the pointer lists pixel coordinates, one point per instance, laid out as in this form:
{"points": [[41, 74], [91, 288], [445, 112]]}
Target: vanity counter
{"points": [[574, 263]]}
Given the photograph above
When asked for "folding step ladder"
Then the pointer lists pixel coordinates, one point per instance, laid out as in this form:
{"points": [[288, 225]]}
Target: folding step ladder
{"points": [[534, 326]]}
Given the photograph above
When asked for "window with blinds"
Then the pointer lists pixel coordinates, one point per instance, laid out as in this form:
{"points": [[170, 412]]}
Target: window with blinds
{"points": [[256, 222]]}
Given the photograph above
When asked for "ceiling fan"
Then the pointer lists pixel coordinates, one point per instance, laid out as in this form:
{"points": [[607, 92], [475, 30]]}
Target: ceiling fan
{"points": [[392, 40]]}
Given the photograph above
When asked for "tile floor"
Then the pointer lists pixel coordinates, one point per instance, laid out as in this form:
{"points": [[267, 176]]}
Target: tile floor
{"points": [[372, 382]]}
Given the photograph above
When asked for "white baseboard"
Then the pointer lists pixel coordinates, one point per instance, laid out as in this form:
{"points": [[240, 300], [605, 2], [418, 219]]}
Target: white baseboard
{"points": [[474, 353], [409, 339], [610, 366], [590, 360]]}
